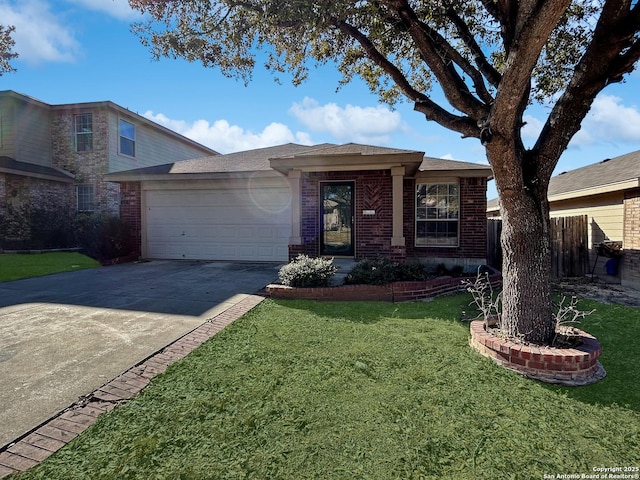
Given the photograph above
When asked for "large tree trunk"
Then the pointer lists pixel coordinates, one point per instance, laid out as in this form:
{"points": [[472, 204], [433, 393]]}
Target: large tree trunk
{"points": [[526, 297], [526, 271]]}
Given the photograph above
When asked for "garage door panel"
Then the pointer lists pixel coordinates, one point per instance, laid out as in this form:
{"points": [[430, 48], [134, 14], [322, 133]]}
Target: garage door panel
{"points": [[225, 224]]}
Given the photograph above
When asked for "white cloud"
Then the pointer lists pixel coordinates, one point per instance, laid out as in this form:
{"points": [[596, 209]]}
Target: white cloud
{"points": [[532, 127], [609, 121], [40, 35], [226, 138], [369, 125], [119, 9]]}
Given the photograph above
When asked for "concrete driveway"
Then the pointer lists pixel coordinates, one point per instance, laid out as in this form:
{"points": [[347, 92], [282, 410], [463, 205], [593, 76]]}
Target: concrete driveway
{"points": [[63, 336]]}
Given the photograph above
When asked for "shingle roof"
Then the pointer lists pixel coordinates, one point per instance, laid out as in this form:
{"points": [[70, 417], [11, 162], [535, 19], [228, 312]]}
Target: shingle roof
{"points": [[8, 164], [431, 164], [247, 161], [351, 149], [258, 160], [607, 172]]}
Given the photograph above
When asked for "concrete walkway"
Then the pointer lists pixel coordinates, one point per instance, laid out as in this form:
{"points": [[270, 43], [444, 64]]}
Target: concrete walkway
{"points": [[65, 336]]}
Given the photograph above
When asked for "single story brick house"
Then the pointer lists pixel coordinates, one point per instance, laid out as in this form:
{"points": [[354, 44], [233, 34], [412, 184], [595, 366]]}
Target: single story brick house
{"points": [[270, 204]]}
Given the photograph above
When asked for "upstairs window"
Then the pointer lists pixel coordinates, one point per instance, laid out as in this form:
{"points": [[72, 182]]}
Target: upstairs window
{"points": [[84, 196], [127, 138], [84, 132], [437, 214]]}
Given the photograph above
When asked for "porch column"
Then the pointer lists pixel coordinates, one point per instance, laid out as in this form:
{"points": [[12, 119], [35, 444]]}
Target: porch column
{"points": [[296, 199], [397, 176]]}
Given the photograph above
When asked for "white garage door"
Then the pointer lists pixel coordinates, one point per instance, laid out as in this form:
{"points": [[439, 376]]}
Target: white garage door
{"points": [[219, 221]]}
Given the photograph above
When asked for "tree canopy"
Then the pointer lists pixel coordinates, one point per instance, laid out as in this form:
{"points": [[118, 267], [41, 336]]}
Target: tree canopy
{"points": [[489, 58], [476, 51], [6, 45]]}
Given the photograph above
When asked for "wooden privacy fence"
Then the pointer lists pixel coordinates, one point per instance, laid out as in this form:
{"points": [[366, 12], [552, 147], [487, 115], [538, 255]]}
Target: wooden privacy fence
{"points": [[569, 246]]}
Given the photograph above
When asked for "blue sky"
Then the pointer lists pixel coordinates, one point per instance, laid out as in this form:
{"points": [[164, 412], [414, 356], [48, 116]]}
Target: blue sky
{"points": [[83, 51]]}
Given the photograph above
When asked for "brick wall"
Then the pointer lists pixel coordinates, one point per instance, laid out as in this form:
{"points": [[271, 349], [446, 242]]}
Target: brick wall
{"points": [[373, 191], [131, 211], [631, 239], [88, 167]]}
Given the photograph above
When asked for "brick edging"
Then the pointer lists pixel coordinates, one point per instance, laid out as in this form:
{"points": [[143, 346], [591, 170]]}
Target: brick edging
{"points": [[564, 366], [390, 292], [39, 443]]}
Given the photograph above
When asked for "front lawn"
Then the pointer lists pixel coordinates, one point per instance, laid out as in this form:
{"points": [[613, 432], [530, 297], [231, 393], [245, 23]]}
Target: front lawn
{"points": [[305, 390], [17, 266]]}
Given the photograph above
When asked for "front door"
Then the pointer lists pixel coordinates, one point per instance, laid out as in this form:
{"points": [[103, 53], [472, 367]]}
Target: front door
{"points": [[337, 219]]}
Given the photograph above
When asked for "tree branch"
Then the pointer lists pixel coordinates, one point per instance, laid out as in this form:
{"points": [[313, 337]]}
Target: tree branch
{"points": [[423, 103], [600, 65], [435, 52], [467, 126], [372, 52], [490, 73]]}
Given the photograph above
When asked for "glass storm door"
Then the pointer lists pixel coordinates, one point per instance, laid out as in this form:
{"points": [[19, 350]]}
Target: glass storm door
{"points": [[337, 219]]}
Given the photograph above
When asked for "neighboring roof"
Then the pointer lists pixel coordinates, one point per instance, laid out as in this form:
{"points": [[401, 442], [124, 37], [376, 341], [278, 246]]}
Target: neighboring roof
{"points": [[110, 105], [609, 175], [619, 173], [14, 167]]}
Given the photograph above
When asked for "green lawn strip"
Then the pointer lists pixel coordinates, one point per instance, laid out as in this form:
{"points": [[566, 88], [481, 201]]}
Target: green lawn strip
{"points": [[304, 390], [18, 266]]}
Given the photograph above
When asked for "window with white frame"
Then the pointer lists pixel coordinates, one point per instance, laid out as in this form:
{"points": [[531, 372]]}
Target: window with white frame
{"points": [[437, 214], [84, 198], [84, 132], [127, 138]]}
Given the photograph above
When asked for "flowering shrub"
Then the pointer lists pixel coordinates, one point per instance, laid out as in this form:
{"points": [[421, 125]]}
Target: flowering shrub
{"points": [[305, 271]]}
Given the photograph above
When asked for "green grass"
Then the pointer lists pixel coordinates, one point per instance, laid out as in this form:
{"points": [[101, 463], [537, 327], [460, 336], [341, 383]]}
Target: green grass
{"points": [[17, 266], [304, 390]]}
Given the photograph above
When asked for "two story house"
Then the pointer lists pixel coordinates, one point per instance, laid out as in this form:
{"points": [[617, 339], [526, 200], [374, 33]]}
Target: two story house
{"points": [[54, 157]]}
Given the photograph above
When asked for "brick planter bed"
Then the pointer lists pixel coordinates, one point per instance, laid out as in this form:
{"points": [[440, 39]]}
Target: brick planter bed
{"points": [[391, 292], [565, 366]]}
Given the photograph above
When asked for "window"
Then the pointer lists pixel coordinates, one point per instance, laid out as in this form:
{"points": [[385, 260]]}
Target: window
{"points": [[437, 212], [84, 195], [127, 138], [84, 132]]}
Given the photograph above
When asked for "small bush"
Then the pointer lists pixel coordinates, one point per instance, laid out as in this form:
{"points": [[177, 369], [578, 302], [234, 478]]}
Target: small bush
{"points": [[382, 270], [305, 271], [102, 236]]}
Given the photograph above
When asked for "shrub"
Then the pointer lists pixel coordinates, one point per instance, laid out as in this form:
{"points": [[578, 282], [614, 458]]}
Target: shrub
{"points": [[305, 271], [382, 270], [102, 236], [51, 228]]}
